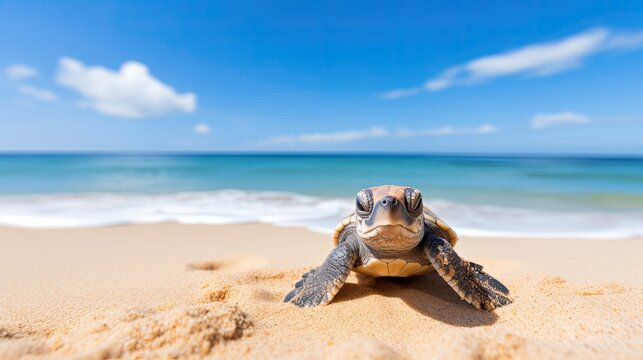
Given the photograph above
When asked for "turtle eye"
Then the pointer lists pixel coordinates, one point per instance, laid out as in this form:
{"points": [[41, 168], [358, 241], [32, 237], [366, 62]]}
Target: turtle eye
{"points": [[413, 199], [363, 203]]}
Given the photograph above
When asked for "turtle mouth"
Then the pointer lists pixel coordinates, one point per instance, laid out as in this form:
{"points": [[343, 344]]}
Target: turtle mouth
{"points": [[392, 237], [390, 232]]}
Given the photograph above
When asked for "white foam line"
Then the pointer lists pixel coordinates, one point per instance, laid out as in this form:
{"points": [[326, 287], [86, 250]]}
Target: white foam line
{"points": [[291, 209]]}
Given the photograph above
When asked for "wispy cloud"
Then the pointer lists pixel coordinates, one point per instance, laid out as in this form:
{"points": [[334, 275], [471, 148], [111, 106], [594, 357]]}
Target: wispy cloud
{"points": [[202, 129], [377, 133], [541, 59], [341, 136], [394, 94], [20, 71], [37, 93], [542, 121], [448, 130], [130, 92]]}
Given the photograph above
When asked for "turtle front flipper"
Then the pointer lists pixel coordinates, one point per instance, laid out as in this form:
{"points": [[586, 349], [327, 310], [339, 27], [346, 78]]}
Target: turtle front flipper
{"points": [[472, 284], [318, 286]]}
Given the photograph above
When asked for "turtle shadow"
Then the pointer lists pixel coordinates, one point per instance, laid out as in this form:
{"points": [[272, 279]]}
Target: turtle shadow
{"points": [[428, 294]]}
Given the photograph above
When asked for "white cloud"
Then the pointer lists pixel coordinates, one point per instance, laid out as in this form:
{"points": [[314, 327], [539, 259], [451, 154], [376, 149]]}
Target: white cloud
{"points": [[37, 93], [130, 92], [447, 130], [20, 71], [202, 129], [539, 59], [486, 129], [541, 121], [341, 136], [394, 94], [626, 41], [379, 132]]}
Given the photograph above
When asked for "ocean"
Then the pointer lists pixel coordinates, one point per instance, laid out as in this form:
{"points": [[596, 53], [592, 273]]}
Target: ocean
{"points": [[477, 195]]}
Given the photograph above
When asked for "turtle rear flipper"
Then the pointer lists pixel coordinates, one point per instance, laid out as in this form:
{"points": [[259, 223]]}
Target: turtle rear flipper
{"points": [[319, 286], [472, 284]]}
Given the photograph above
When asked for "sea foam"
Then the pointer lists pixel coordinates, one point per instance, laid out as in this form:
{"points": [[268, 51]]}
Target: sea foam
{"points": [[291, 209]]}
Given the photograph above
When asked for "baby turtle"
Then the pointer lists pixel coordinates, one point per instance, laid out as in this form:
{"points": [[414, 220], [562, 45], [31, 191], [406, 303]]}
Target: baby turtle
{"points": [[391, 233]]}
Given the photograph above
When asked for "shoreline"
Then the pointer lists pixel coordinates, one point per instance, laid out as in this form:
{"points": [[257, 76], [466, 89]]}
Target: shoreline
{"points": [[314, 212], [469, 234], [576, 297]]}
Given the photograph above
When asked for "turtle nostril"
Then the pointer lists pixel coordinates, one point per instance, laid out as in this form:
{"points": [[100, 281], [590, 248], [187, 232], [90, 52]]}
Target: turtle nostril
{"points": [[389, 201]]}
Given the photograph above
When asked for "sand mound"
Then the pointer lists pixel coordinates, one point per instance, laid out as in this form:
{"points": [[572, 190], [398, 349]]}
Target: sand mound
{"points": [[21, 349], [15, 342], [177, 333]]}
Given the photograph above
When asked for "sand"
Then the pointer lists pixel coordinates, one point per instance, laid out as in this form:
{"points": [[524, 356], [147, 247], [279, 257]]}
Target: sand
{"points": [[191, 291]]}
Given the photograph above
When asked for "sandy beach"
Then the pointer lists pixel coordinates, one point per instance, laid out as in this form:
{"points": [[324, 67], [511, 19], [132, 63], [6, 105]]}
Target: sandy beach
{"points": [[163, 291], [172, 171]]}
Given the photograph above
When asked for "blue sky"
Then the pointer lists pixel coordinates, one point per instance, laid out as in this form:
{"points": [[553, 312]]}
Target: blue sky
{"points": [[503, 77]]}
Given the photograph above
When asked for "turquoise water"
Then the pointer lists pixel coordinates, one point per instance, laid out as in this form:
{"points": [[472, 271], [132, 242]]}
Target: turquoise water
{"points": [[615, 184], [466, 186]]}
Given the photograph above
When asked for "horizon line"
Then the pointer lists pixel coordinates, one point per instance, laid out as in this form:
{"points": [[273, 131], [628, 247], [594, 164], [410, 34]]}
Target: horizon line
{"points": [[534, 154]]}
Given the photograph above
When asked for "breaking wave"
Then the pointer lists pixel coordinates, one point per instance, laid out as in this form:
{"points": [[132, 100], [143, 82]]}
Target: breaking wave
{"points": [[291, 209]]}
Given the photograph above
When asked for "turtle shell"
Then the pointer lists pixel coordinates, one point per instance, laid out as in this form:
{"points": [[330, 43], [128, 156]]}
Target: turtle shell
{"points": [[430, 219]]}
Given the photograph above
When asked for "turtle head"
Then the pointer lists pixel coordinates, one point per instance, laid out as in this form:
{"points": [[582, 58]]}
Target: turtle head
{"points": [[390, 218]]}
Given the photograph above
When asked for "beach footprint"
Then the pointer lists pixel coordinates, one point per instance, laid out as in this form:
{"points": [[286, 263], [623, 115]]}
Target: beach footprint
{"points": [[230, 265], [560, 286], [250, 288], [608, 288], [230, 279]]}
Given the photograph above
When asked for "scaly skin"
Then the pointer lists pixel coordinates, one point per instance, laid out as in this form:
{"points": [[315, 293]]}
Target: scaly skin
{"points": [[467, 279], [320, 285]]}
